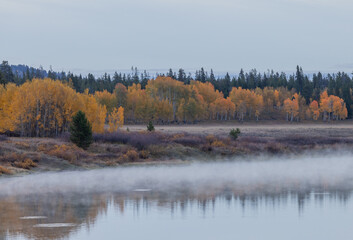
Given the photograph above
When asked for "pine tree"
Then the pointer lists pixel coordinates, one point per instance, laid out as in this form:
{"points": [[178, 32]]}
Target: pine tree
{"points": [[299, 80], [81, 130], [2, 79], [6, 71], [150, 126]]}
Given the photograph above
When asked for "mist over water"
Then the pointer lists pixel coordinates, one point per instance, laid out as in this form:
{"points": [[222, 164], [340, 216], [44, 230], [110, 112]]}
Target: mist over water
{"points": [[287, 197], [332, 171]]}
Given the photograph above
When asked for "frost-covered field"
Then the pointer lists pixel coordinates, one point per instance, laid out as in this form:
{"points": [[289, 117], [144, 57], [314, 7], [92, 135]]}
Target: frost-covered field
{"points": [[344, 129]]}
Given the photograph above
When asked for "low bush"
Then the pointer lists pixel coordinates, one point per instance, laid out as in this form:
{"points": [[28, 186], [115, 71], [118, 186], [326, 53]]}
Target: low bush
{"points": [[68, 152], [4, 170], [23, 145], [306, 140], [64, 137], [253, 139], [19, 157], [132, 155], [210, 139], [274, 147], [144, 154], [138, 140], [25, 164], [115, 137], [142, 141], [3, 138], [218, 143], [190, 140], [234, 133]]}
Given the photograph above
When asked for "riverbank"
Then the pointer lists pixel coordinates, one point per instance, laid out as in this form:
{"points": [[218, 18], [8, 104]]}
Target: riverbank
{"points": [[170, 144]]}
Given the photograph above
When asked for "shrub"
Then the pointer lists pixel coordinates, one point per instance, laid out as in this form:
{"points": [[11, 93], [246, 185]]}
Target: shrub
{"points": [[189, 140], [210, 139], [24, 145], [115, 137], [81, 130], [3, 138], [234, 133], [129, 156], [18, 157], [69, 153], [4, 170], [144, 154], [137, 140], [132, 155], [177, 136], [150, 126], [274, 147], [64, 137], [218, 143], [25, 164], [142, 141]]}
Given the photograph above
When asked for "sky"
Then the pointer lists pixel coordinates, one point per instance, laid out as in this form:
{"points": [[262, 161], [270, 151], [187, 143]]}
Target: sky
{"points": [[226, 35]]}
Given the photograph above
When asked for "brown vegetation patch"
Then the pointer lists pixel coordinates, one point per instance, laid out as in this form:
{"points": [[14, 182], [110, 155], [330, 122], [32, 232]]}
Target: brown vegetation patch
{"points": [[139, 140], [4, 170], [3, 138], [129, 156], [70, 153], [144, 154], [25, 164]]}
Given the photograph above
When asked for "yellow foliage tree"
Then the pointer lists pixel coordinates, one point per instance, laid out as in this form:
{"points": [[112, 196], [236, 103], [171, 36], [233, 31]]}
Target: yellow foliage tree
{"points": [[44, 107], [116, 119]]}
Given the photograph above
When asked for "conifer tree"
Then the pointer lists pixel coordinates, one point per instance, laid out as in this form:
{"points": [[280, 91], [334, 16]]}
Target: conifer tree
{"points": [[150, 126], [81, 130]]}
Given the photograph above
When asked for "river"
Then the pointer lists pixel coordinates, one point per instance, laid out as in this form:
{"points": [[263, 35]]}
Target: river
{"points": [[265, 198]]}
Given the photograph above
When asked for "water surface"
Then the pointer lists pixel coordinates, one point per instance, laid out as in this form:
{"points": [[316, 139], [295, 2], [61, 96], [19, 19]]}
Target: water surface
{"points": [[267, 198]]}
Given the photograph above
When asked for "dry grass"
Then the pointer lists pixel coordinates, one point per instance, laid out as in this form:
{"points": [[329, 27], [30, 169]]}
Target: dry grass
{"points": [[261, 129], [144, 154], [139, 140], [4, 170], [130, 156], [218, 143], [25, 164], [3, 138], [71, 153], [171, 143]]}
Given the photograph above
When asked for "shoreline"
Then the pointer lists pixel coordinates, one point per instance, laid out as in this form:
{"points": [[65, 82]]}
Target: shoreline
{"points": [[170, 145]]}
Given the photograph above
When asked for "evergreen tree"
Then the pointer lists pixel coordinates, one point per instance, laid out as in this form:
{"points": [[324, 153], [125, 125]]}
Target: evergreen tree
{"points": [[307, 90], [81, 130], [299, 80], [226, 86], [212, 77], [2, 79], [291, 83], [171, 74], [181, 75], [241, 79], [6, 71], [202, 75], [150, 126]]}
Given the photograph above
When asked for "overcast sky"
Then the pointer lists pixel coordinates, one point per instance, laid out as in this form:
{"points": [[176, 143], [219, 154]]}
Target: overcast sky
{"points": [[226, 35]]}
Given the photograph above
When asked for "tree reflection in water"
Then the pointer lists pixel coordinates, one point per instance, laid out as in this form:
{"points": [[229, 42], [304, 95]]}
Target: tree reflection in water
{"points": [[84, 210]]}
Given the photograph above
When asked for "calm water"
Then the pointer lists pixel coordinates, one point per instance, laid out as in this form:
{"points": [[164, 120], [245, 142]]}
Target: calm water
{"points": [[265, 199]]}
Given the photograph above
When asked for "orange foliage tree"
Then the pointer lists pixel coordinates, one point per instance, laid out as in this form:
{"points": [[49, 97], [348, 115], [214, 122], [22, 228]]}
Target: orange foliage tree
{"points": [[44, 107]]}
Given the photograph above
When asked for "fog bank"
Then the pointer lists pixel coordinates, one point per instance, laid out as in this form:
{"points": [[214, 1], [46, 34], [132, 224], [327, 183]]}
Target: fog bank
{"points": [[325, 172]]}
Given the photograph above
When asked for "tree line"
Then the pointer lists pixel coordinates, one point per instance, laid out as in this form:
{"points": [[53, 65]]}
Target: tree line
{"points": [[45, 107], [181, 97], [165, 100]]}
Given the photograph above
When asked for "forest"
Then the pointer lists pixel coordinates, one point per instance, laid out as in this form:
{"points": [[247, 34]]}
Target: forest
{"points": [[40, 103]]}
